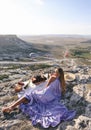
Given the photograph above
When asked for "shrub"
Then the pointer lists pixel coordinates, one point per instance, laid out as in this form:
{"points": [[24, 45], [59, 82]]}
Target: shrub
{"points": [[3, 76], [39, 66]]}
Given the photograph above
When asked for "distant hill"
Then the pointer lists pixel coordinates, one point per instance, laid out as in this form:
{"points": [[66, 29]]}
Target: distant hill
{"points": [[14, 48], [88, 41]]}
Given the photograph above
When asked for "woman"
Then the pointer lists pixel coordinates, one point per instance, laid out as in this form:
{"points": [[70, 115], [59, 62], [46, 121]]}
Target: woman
{"points": [[44, 106]]}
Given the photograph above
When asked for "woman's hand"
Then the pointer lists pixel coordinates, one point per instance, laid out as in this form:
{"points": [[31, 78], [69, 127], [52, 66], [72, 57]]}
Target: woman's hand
{"points": [[18, 88]]}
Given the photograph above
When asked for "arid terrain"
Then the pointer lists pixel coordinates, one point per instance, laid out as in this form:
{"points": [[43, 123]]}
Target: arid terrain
{"points": [[56, 45], [23, 57], [37, 48]]}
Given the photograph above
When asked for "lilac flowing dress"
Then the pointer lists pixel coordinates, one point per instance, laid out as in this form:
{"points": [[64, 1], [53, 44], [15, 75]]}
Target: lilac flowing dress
{"points": [[45, 108]]}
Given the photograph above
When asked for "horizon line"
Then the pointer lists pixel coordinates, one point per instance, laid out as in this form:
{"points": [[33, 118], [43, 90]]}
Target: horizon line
{"points": [[46, 34]]}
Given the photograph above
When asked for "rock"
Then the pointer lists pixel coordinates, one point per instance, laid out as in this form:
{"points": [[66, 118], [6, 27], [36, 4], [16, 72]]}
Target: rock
{"points": [[88, 96], [68, 95], [26, 127], [82, 123], [88, 110], [77, 97], [62, 126], [66, 126], [14, 128], [70, 128]]}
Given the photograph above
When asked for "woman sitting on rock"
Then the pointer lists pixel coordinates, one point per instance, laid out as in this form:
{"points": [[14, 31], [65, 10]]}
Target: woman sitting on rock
{"points": [[44, 106]]}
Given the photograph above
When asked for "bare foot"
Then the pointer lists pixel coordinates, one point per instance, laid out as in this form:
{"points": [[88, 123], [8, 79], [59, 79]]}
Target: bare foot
{"points": [[7, 109]]}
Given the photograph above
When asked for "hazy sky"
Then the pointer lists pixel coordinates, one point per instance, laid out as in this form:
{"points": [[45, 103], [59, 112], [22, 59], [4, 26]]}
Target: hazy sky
{"points": [[30, 17]]}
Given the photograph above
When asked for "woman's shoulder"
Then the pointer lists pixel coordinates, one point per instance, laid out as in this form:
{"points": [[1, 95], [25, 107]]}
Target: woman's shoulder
{"points": [[53, 77]]}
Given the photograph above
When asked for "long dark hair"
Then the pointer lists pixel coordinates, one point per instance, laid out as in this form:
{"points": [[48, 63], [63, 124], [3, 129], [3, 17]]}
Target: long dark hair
{"points": [[61, 78]]}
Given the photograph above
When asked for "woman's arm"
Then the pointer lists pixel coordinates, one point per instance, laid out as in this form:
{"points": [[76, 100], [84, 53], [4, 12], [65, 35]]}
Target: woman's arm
{"points": [[51, 79]]}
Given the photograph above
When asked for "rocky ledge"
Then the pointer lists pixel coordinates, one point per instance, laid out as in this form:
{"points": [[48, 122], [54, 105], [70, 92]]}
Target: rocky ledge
{"points": [[77, 97]]}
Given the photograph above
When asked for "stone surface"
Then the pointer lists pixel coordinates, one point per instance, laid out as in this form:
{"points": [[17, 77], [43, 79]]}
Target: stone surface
{"points": [[77, 97]]}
